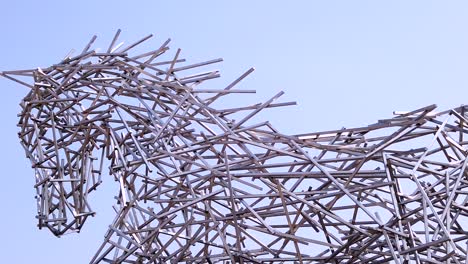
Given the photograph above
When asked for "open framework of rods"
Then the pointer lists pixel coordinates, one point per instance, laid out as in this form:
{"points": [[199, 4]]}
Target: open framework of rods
{"points": [[200, 183]]}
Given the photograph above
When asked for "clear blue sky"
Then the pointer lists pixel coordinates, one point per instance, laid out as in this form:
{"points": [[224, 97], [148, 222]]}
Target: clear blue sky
{"points": [[346, 63]]}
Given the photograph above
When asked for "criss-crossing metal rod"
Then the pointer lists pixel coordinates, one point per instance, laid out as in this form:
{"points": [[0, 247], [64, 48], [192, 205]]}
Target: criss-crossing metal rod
{"points": [[203, 183]]}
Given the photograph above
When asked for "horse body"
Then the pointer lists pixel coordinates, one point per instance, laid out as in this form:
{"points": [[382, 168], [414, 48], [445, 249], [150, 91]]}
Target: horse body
{"points": [[201, 184]]}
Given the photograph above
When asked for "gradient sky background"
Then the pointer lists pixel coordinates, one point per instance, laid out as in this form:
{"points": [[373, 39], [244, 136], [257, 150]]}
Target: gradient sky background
{"points": [[346, 63]]}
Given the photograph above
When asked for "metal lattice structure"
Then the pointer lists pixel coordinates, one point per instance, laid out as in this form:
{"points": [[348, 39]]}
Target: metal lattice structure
{"points": [[200, 183]]}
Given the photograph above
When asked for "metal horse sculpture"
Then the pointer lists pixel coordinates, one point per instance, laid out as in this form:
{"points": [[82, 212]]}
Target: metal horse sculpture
{"points": [[203, 183]]}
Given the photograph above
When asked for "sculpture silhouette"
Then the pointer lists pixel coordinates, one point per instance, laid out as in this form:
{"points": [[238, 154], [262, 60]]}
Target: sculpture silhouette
{"points": [[203, 183]]}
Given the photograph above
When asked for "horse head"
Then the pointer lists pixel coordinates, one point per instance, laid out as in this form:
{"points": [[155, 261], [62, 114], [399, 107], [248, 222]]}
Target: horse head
{"points": [[65, 145], [82, 113]]}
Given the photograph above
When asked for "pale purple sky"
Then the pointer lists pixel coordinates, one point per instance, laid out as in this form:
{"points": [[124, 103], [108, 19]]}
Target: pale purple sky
{"points": [[346, 63]]}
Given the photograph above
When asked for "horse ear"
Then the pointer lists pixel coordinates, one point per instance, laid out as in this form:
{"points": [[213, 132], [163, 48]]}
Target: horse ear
{"points": [[19, 75]]}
